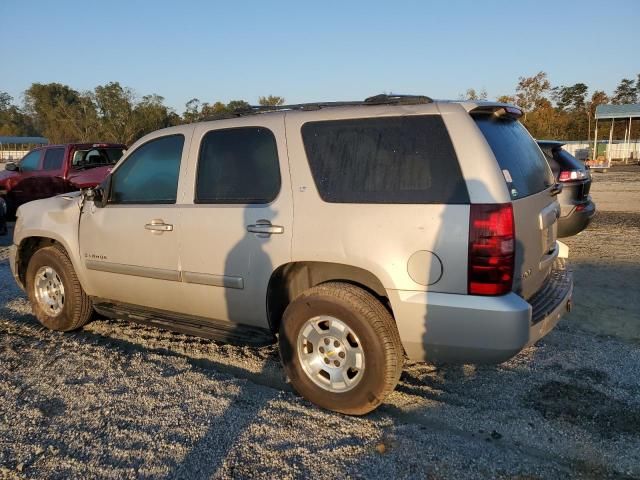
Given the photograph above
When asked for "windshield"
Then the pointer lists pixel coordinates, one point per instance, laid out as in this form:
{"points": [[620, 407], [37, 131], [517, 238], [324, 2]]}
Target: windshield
{"points": [[96, 157]]}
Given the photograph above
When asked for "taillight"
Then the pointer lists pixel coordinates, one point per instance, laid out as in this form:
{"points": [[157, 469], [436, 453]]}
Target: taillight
{"points": [[491, 249], [570, 175]]}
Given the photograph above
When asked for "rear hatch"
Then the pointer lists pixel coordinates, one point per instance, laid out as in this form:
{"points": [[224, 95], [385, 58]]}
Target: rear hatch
{"points": [[573, 189], [531, 186]]}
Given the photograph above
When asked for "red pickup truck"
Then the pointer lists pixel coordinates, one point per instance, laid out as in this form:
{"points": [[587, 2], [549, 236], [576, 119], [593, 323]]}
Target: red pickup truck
{"points": [[54, 169]]}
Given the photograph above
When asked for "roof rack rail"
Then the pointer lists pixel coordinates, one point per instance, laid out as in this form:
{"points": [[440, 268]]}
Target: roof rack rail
{"points": [[382, 99]]}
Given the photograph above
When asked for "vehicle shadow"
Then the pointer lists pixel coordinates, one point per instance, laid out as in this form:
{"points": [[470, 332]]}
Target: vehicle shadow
{"points": [[207, 457]]}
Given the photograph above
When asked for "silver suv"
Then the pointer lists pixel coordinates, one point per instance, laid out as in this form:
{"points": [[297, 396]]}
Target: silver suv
{"points": [[354, 234]]}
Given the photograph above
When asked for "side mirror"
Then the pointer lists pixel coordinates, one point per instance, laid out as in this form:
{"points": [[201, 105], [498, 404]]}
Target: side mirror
{"points": [[100, 193], [12, 167]]}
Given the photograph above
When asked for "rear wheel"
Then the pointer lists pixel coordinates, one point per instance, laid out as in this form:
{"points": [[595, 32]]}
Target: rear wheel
{"points": [[57, 298], [340, 348]]}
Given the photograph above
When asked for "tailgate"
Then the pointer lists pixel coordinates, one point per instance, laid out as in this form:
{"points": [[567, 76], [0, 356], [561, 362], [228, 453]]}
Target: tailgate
{"points": [[536, 230]]}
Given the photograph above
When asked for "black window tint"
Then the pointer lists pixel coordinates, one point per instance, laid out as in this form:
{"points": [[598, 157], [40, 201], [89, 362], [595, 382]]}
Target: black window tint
{"points": [[30, 162], [384, 160], [150, 174], [238, 165], [53, 158], [518, 154]]}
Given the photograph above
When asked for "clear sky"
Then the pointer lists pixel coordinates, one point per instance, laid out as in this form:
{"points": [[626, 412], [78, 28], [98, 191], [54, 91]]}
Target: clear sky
{"points": [[316, 50]]}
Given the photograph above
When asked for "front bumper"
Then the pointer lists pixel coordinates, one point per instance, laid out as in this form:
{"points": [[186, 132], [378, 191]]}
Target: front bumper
{"points": [[441, 327]]}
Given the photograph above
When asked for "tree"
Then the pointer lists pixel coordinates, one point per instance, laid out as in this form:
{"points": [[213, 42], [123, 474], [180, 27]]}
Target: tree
{"points": [[192, 111], [597, 98], [238, 106], [506, 99], [271, 101], [115, 106], [44, 103], [531, 92], [5, 101], [471, 94], [625, 92], [571, 98], [151, 114], [14, 122]]}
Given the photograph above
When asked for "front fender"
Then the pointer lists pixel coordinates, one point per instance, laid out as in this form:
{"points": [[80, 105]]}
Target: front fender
{"points": [[57, 219]]}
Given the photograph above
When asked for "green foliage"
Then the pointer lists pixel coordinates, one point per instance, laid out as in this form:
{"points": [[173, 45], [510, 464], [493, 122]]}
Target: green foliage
{"points": [[472, 94], [271, 101], [626, 92], [566, 112]]}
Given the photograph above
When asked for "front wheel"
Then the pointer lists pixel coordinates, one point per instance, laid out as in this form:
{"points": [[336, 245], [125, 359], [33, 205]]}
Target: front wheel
{"points": [[57, 298], [340, 348]]}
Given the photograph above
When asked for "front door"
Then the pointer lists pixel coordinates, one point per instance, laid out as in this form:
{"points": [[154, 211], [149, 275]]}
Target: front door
{"points": [[236, 220], [130, 246]]}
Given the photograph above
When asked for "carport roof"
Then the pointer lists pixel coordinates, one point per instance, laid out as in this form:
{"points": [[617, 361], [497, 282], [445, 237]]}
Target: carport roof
{"points": [[23, 140], [618, 111]]}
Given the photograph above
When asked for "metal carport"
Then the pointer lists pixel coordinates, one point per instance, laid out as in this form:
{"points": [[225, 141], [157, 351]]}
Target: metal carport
{"points": [[613, 112]]}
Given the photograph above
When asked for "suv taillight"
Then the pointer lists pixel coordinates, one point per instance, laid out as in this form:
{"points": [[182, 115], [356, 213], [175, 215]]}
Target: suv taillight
{"points": [[491, 249], [571, 175]]}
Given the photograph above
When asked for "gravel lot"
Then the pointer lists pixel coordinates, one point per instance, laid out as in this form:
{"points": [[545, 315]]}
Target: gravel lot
{"points": [[117, 400]]}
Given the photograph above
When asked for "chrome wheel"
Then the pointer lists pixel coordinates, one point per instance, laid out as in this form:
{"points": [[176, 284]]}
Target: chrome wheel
{"points": [[330, 354], [49, 291]]}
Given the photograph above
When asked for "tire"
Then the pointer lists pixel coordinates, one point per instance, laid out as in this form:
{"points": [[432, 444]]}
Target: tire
{"points": [[11, 208], [51, 265], [369, 332]]}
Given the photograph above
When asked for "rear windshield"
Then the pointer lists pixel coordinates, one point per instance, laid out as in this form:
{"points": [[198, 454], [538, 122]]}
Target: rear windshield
{"points": [[567, 160], [96, 157], [525, 168], [406, 159]]}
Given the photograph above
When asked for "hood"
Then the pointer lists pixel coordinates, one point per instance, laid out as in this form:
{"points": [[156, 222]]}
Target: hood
{"points": [[6, 174], [59, 208]]}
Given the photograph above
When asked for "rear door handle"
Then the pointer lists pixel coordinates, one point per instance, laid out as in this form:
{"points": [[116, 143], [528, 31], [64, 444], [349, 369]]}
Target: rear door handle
{"points": [[265, 228], [158, 226]]}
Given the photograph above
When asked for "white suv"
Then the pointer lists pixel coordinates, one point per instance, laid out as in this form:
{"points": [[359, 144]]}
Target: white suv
{"points": [[354, 233]]}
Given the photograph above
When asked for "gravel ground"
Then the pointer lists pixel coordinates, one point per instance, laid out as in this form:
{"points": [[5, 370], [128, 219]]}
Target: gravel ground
{"points": [[118, 400]]}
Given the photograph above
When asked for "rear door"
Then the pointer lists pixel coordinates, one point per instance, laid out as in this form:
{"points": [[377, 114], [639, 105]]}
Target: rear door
{"points": [[535, 208], [236, 219]]}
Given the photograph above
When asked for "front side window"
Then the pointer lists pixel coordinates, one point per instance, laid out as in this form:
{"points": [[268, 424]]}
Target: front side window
{"points": [[407, 159], [30, 162], [53, 159], [238, 165], [150, 174]]}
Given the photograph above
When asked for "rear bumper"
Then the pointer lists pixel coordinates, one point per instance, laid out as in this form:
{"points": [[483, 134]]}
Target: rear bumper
{"points": [[442, 327], [576, 219]]}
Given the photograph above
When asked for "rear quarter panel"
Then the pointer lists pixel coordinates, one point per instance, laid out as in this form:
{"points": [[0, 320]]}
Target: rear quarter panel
{"points": [[380, 238]]}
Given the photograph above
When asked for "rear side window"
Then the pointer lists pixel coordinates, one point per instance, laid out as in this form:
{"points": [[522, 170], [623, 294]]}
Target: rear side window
{"points": [[150, 174], [238, 165], [524, 166], [53, 158], [406, 159]]}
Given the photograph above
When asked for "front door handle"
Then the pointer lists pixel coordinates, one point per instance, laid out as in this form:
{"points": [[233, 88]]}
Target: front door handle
{"points": [[158, 226], [264, 228]]}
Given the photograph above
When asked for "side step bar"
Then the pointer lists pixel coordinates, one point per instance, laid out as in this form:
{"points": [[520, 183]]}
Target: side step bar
{"points": [[235, 334]]}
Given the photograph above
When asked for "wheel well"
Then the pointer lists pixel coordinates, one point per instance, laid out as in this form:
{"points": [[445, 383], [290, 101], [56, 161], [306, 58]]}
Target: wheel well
{"points": [[290, 280], [27, 248]]}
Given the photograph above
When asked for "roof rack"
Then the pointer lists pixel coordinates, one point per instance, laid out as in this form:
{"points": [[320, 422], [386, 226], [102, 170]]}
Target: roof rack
{"points": [[382, 99]]}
